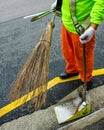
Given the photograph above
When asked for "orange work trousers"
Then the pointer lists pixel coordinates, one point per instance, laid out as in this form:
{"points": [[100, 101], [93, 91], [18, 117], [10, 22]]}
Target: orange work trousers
{"points": [[73, 54]]}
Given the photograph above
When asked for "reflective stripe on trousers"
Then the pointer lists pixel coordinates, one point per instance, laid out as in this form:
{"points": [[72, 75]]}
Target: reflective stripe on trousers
{"points": [[73, 54]]}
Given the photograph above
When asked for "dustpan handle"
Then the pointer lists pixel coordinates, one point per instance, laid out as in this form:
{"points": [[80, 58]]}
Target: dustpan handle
{"points": [[84, 67]]}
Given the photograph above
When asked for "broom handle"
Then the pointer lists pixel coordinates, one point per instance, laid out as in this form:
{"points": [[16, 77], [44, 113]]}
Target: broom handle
{"points": [[53, 18], [84, 67], [39, 15]]}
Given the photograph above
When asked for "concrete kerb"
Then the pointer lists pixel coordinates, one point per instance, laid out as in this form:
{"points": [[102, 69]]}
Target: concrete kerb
{"points": [[46, 119]]}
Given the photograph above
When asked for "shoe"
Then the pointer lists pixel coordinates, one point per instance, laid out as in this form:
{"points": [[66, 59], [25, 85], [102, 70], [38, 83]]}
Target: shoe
{"points": [[66, 75], [89, 85]]}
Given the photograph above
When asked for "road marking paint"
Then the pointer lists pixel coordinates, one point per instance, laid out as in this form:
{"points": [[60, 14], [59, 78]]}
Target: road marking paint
{"points": [[15, 104], [57, 80]]}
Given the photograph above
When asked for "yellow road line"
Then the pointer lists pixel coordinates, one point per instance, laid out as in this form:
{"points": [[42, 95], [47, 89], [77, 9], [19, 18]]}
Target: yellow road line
{"points": [[57, 80], [15, 104]]}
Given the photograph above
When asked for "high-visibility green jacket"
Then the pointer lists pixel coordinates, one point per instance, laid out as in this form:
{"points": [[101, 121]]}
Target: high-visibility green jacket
{"points": [[94, 8]]}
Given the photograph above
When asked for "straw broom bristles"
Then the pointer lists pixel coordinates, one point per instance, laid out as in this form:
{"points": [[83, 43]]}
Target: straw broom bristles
{"points": [[34, 73]]}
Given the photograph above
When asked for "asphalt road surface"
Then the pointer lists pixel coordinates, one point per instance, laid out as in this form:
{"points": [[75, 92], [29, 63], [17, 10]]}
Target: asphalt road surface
{"points": [[11, 9]]}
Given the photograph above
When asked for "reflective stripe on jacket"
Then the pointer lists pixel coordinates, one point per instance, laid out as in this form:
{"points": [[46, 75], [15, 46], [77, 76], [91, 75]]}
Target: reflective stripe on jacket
{"points": [[94, 8]]}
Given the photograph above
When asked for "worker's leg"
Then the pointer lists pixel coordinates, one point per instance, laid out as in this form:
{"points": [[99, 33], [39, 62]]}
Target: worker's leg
{"points": [[89, 47], [68, 51]]}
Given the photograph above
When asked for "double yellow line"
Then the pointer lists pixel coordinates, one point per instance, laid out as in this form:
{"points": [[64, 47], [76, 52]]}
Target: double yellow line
{"points": [[15, 104]]}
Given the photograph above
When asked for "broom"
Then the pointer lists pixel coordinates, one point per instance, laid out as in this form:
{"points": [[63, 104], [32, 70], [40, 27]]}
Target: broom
{"points": [[34, 74]]}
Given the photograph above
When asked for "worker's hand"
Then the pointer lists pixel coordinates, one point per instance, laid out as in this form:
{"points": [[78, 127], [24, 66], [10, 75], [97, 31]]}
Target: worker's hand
{"points": [[53, 6], [87, 35]]}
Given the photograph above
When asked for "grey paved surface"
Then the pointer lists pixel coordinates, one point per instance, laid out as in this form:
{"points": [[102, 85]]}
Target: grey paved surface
{"points": [[11, 9], [96, 126]]}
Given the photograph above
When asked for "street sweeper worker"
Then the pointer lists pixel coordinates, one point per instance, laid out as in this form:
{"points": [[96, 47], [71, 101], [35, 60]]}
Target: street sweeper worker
{"points": [[80, 20]]}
